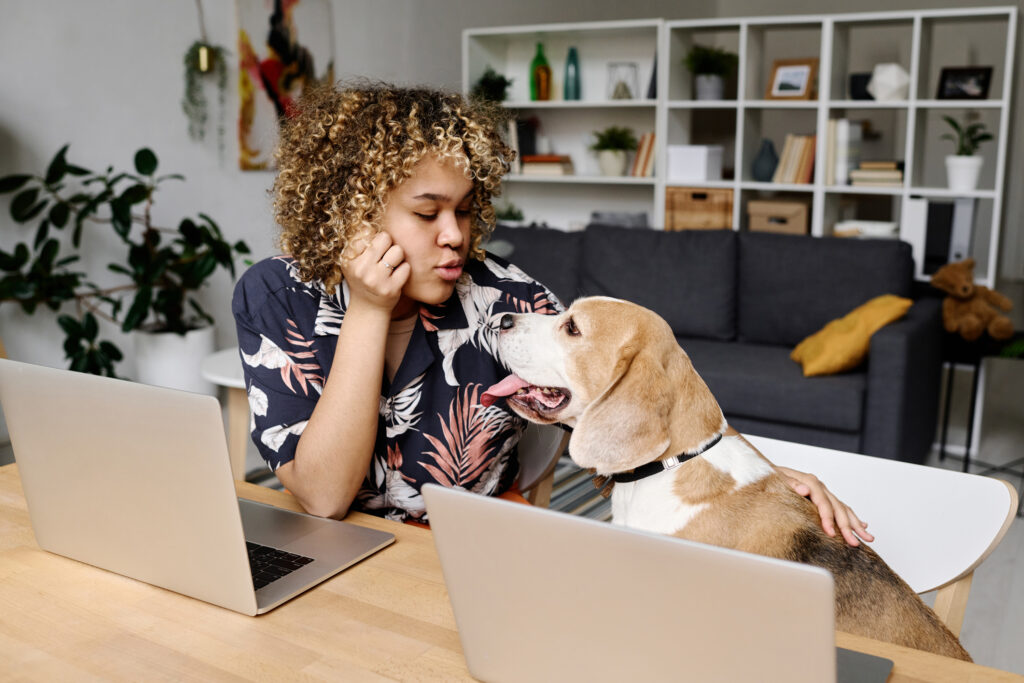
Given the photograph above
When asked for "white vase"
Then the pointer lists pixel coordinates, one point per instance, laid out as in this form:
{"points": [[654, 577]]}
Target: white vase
{"points": [[172, 360], [709, 86], [963, 172], [612, 161]]}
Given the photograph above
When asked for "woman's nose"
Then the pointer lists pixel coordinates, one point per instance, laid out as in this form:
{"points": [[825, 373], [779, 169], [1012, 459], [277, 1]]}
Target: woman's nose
{"points": [[450, 234]]}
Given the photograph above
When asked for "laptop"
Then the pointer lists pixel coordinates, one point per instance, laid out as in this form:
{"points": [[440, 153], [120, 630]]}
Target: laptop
{"points": [[543, 595], [135, 479]]}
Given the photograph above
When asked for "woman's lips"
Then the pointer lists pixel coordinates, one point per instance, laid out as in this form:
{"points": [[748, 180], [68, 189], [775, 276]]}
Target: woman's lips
{"points": [[450, 271]]}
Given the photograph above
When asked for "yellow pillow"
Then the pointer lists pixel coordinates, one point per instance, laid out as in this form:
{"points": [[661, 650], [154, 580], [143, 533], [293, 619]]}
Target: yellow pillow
{"points": [[842, 344]]}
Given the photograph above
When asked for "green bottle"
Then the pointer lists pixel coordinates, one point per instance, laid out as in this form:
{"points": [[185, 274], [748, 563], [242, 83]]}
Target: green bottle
{"points": [[540, 76]]}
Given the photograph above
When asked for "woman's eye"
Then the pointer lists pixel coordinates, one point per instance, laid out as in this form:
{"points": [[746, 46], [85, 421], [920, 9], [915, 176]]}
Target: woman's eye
{"points": [[571, 329], [463, 212], [427, 216]]}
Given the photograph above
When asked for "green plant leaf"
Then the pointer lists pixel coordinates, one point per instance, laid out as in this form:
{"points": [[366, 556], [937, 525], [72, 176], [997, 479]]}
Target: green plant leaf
{"points": [[41, 233], [59, 213], [241, 247], [57, 167], [16, 259], [135, 194], [118, 268], [71, 326], [76, 170], [170, 176], [23, 203], [136, 315], [35, 210], [111, 351], [11, 183], [189, 230], [90, 327], [145, 161]]}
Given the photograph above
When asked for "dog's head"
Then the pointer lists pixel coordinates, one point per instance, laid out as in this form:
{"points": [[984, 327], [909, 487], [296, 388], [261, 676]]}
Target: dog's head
{"points": [[614, 372]]}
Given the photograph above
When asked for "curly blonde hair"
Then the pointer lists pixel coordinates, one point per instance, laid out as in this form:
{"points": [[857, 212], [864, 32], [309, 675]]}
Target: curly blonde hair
{"points": [[349, 146]]}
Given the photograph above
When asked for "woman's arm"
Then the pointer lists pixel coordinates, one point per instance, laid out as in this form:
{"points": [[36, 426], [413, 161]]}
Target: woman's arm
{"points": [[336, 445]]}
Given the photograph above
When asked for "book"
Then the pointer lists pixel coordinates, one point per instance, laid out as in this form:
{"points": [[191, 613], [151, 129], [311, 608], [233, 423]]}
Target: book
{"points": [[547, 164], [784, 159], [872, 174], [879, 165], [652, 151], [637, 167], [805, 173], [830, 152]]}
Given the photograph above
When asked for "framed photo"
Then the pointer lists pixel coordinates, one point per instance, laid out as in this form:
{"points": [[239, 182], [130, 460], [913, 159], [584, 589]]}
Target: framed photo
{"points": [[793, 79], [964, 83]]}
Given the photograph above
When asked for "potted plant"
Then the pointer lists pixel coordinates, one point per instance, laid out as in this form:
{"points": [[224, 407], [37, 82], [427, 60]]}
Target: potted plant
{"points": [[710, 67], [612, 144], [964, 167], [163, 267], [204, 60], [492, 86]]}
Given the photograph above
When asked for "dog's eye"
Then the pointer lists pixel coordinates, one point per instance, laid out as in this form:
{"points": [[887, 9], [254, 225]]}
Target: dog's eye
{"points": [[571, 329]]}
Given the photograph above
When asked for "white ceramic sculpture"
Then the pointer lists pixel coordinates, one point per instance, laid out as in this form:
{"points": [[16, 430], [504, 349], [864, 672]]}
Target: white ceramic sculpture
{"points": [[889, 82]]}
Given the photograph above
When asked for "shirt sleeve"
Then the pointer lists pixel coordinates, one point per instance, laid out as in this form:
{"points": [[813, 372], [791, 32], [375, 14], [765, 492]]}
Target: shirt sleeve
{"points": [[283, 376]]}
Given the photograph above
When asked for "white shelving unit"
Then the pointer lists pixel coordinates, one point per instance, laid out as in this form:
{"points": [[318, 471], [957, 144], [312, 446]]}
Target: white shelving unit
{"points": [[922, 41]]}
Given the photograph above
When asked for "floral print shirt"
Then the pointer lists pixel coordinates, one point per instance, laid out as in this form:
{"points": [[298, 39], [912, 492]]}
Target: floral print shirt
{"points": [[431, 426]]}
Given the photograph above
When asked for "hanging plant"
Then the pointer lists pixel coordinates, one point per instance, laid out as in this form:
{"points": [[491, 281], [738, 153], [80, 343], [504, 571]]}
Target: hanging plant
{"points": [[202, 62]]}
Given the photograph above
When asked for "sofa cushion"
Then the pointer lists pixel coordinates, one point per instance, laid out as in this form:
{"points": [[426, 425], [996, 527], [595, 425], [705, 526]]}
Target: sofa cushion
{"points": [[760, 381], [687, 277], [550, 256], [791, 285]]}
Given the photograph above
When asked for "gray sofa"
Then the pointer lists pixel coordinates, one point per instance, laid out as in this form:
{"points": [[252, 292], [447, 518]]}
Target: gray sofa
{"points": [[739, 302]]}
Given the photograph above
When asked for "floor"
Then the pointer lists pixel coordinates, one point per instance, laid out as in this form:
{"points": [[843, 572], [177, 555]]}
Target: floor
{"points": [[994, 622]]}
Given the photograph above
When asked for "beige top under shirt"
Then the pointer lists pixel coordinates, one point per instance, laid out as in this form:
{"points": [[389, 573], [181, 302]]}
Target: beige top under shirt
{"points": [[399, 334]]}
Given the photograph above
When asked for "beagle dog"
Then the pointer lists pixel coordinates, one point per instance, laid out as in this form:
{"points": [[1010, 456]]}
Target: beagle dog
{"points": [[640, 413]]}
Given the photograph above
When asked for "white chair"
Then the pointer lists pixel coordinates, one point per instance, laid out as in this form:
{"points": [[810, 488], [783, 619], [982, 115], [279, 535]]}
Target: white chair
{"points": [[539, 450], [933, 526]]}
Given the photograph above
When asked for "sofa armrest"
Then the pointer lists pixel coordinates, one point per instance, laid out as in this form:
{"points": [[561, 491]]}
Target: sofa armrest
{"points": [[904, 371]]}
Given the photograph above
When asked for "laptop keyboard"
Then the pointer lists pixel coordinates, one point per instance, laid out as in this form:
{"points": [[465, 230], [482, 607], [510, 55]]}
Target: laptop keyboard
{"points": [[270, 564]]}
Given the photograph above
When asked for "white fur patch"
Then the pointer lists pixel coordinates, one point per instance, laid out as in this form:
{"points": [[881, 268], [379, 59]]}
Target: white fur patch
{"points": [[738, 460], [652, 504]]}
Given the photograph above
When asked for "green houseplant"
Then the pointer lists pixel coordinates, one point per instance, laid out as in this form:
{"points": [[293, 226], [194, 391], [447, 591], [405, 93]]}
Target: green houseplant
{"points": [[203, 61], [491, 86], [612, 144], [964, 167], [710, 67], [163, 267]]}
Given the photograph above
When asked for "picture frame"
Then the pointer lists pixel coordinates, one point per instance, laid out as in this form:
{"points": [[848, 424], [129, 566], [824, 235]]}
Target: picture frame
{"points": [[793, 79], [964, 83]]}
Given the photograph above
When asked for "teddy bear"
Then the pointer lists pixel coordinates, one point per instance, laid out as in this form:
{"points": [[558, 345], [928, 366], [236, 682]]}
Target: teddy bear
{"points": [[971, 309]]}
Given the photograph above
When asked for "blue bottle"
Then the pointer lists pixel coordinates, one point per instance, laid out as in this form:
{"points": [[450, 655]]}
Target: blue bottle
{"points": [[571, 86]]}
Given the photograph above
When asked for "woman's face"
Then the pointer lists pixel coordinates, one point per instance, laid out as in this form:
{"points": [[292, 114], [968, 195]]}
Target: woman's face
{"points": [[429, 216]]}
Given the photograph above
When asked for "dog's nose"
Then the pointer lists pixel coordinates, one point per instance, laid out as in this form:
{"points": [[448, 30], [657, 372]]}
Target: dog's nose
{"points": [[507, 322]]}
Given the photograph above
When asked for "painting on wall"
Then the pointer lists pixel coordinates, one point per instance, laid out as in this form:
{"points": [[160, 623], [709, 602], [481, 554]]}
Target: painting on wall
{"points": [[284, 47]]}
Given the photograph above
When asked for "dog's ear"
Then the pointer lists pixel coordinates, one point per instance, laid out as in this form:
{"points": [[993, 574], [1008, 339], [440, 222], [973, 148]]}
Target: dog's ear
{"points": [[627, 425], [696, 416]]}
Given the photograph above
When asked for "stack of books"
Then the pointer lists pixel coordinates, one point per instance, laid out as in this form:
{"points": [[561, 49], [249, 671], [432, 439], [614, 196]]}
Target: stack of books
{"points": [[796, 163], [546, 165], [877, 174], [643, 162]]}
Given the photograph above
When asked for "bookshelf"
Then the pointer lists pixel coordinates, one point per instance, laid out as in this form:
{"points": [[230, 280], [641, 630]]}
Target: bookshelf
{"points": [[909, 130]]}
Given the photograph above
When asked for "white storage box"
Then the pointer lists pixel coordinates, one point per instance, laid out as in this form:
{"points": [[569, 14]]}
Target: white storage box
{"points": [[688, 163]]}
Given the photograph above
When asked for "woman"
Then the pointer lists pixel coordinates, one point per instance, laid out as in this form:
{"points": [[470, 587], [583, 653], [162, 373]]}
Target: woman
{"points": [[367, 345]]}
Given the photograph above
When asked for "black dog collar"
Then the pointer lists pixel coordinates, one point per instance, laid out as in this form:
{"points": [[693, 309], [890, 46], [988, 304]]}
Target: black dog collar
{"points": [[659, 466]]}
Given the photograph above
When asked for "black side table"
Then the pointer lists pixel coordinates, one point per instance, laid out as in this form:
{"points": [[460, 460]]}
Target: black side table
{"points": [[958, 351]]}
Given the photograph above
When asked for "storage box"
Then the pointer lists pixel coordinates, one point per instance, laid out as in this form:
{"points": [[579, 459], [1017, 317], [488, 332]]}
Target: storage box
{"points": [[778, 216], [697, 208], [694, 163]]}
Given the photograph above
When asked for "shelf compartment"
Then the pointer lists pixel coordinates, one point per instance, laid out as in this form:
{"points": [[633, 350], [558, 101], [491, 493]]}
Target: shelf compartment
{"points": [[858, 46], [705, 127], [509, 51], [681, 40], [984, 39], [568, 205], [859, 206], [930, 151], [773, 193], [774, 125], [773, 41]]}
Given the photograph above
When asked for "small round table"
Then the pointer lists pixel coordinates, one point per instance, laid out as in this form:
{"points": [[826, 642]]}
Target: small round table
{"points": [[224, 368]]}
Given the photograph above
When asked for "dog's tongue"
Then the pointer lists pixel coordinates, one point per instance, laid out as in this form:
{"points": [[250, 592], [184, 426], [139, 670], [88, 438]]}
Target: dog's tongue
{"points": [[505, 387]]}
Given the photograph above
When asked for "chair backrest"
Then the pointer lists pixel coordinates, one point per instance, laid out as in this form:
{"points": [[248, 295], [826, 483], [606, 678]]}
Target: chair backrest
{"points": [[539, 450], [932, 526]]}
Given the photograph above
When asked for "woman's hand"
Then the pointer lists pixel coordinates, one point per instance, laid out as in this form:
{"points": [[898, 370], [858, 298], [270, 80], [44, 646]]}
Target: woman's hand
{"points": [[832, 510], [376, 275]]}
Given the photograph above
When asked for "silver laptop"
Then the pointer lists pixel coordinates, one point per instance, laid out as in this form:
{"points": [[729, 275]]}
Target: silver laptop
{"points": [[136, 479], [542, 595]]}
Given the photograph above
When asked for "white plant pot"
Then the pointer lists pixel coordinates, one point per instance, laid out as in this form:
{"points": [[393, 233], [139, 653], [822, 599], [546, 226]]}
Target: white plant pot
{"points": [[172, 360], [709, 87], [612, 161], [963, 172]]}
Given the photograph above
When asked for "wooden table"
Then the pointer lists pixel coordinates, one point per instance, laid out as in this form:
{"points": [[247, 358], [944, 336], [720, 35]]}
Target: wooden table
{"points": [[387, 618]]}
